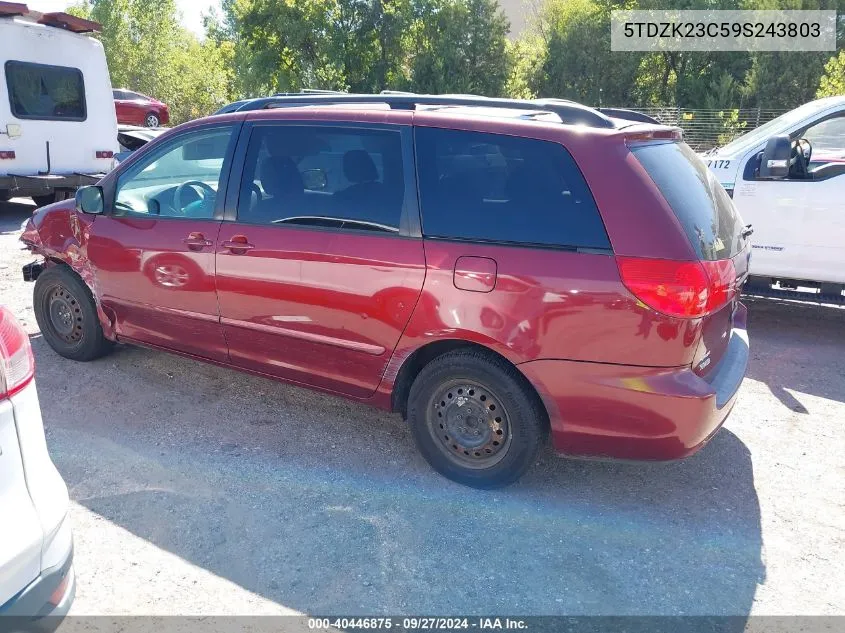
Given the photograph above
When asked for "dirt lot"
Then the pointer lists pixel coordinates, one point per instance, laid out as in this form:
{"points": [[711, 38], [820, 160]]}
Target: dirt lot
{"points": [[202, 490]]}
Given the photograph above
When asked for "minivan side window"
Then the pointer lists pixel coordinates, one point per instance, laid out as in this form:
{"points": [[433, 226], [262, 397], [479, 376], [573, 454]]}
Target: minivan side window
{"points": [[497, 188], [180, 179], [323, 176], [50, 93]]}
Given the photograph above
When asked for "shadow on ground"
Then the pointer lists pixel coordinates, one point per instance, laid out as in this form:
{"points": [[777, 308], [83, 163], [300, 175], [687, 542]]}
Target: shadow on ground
{"points": [[324, 506], [788, 341], [13, 214]]}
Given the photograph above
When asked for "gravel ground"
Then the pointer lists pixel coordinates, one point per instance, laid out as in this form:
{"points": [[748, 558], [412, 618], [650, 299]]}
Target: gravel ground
{"points": [[200, 490]]}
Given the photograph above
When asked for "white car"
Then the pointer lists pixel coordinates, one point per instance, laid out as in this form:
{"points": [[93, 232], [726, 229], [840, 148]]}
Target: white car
{"points": [[58, 127], [793, 195], [36, 544]]}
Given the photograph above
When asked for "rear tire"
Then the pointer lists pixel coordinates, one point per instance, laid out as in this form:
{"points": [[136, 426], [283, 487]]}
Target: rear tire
{"points": [[67, 315], [152, 120], [475, 419]]}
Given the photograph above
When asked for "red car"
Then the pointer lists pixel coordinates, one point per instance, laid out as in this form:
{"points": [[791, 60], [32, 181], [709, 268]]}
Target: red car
{"points": [[133, 108], [496, 271]]}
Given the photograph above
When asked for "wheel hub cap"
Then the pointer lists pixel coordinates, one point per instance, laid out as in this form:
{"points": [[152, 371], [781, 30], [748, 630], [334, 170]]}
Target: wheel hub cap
{"points": [[65, 315], [470, 424]]}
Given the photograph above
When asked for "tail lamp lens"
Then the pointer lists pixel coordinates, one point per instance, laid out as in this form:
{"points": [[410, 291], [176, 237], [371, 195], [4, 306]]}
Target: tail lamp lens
{"points": [[17, 364], [686, 289]]}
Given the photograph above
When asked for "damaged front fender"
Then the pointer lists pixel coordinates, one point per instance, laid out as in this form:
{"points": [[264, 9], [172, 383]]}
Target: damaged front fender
{"points": [[60, 234]]}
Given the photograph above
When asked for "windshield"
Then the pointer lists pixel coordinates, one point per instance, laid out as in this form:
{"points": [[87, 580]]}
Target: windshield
{"points": [[778, 125]]}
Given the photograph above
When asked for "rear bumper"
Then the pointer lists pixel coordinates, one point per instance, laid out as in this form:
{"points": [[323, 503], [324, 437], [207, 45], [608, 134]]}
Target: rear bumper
{"points": [[639, 413], [44, 603]]}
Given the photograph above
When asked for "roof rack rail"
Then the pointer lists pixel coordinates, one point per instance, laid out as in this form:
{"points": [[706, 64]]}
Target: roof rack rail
{"points": [[570, 112], [309, 91], [628, 115]]}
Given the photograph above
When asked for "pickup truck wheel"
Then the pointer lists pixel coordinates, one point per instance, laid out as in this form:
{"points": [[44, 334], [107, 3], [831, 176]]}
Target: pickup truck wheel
{"points": [[475, 420], [67, 315]]}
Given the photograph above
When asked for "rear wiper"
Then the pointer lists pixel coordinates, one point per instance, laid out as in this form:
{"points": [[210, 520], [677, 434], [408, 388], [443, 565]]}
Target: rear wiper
{"points": [[747, 231]]}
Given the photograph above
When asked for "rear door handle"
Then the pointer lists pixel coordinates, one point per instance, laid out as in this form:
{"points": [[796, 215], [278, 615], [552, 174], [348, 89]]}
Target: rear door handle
{"points": [[238, 244], [197, 241]]}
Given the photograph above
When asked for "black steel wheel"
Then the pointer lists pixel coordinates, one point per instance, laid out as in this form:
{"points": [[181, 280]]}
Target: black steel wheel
{"points": [[470, 423], [67, 315], [476, 419]]}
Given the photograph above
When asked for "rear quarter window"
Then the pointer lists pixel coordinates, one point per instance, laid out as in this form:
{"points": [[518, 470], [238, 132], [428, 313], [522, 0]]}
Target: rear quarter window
{"points": [[41, 91], [497, 188], [702, 206]]}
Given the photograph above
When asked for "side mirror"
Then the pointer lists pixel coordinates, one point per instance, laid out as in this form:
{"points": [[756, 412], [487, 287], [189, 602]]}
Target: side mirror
{"points": [[775, 161], [89, 199], [314, 179]]}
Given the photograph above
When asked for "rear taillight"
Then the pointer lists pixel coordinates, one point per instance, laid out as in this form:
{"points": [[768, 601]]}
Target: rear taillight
{"points": [[7, 154], [104, 153], [17, 365], [681, 289]]}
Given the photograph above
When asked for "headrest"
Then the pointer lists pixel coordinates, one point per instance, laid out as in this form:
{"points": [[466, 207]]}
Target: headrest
{"points": [[358, 166], [279, 176]]}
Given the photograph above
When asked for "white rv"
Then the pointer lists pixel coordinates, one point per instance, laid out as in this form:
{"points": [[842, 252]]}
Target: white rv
{"points": [[58, 128], [787, 179]]}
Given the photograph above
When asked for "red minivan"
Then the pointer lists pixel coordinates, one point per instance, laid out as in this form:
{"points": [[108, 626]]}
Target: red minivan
{"points": [[497, 271]]}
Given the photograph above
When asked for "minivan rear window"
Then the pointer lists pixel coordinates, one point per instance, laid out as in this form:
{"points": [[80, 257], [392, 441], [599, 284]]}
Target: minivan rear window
{"points": [[702, 206], [49, 93]]}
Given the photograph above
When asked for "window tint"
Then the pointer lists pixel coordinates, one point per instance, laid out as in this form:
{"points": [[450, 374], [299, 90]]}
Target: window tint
{"points": [[180, 179], [347, 178], [704, 209], [38, 91], [505, 189]]}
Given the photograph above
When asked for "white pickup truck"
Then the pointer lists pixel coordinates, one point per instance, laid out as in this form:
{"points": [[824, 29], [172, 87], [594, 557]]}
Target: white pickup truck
{"points": [[787, 179]]}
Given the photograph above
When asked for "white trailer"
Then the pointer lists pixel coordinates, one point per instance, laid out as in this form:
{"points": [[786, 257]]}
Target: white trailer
{"points": [[58, 128]]}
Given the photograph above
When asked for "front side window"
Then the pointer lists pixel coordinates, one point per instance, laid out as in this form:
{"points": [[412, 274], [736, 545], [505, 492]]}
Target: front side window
{"points": [[491, 187], [180, 179], [51, 93], [827, 138], [320, 176]]}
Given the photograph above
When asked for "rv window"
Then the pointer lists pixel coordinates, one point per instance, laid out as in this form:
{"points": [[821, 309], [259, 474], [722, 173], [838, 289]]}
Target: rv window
{"points": [[51, 93]]}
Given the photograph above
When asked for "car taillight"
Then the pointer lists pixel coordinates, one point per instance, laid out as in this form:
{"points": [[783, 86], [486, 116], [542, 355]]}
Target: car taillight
{"points": [[677, 288], [17, 364], [7, 154], [104, 153]]}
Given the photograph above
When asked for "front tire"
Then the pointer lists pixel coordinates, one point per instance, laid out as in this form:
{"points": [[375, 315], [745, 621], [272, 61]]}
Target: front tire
{"points": [[151, 120], [67, 315], [475, 419]]}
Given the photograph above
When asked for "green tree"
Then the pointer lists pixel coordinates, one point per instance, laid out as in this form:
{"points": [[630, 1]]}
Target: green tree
{"points": [[786, 79], [147, 50], [577, 62], [832, 83], [460, 46]]}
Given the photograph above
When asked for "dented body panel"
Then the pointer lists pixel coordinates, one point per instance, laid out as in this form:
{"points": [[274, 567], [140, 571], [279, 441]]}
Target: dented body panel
{"points": [[61, 234]]}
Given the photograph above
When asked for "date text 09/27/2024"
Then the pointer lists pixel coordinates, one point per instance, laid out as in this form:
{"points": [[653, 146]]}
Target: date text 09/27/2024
{"points": [[418, 623]]}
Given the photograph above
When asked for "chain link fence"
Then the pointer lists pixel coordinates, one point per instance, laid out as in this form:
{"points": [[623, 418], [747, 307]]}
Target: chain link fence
{"points": [[706, 129]]}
